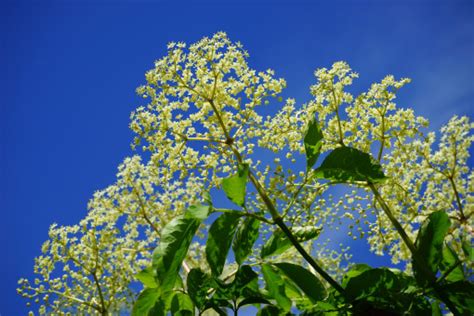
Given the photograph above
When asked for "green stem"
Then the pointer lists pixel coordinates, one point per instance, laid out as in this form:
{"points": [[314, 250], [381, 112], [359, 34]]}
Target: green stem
{"points": [[272, 209], [307, 257], [103, 309], [428, 275], [458, 199]]}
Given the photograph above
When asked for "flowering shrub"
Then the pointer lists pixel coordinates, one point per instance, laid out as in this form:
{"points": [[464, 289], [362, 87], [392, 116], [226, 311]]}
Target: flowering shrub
{"points": [[204, 129]]}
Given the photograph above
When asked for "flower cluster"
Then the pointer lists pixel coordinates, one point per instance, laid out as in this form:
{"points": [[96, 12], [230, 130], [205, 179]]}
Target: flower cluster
{"points": [[203, 117]]}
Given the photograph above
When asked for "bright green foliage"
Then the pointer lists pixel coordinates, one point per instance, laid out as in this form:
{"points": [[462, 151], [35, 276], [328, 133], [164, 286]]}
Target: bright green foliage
{"points": [[145, 302], [279, 242], [276, 286], [200, 212], [234, 187], [450, 266], [181, 304], [148, 277], [304, 279]]}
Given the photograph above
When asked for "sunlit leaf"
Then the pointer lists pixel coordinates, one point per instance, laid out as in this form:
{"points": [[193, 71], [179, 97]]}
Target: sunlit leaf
{"points": [[304, 279], [234, 186], [245, 237], [429, 244], [219, 240], [312, 143], [348, 164], [276, 286], [175, 239]]}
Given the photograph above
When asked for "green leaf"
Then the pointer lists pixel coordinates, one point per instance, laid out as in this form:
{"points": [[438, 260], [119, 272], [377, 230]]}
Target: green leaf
{"points": [[219, 241], [147, 277], [461, 293], [348, 164], [245, 284], [305, 280], [305, 233], [450, 259], [354, 271], [146, 301], [206, 196], [252, 301], [278, 242], [198, 283], [158, 309], [276, 287], [270, 310], [180, 304], [468, 250], [245, 237], [436, 310], [199, 211], [234, 186], [175, 239], [429, 244], [377, 282], [312, 143]]}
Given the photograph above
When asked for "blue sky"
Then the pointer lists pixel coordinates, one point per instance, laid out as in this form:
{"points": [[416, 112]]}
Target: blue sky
{"points": [[69, 70]]}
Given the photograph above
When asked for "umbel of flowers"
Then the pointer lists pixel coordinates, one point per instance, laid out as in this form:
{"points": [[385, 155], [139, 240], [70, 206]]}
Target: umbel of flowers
{"points": [[212, 122]]}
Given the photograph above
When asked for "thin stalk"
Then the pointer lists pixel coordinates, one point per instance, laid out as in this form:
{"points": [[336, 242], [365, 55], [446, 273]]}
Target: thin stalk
{"points": [[393, 220], [307, 257], [103, 309], [458, 199], [382, 139], [415, 254], [336, 107], [272, 209], [451, 269]]}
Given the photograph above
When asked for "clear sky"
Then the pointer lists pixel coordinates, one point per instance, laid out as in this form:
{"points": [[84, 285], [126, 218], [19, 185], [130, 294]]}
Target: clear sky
{"points": [[69, 70]]}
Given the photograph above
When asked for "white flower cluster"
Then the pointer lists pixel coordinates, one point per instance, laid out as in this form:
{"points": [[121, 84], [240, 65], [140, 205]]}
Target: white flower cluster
{"points": [[201, 119]]}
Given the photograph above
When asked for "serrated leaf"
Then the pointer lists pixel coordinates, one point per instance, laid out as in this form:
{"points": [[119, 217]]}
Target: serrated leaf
{"points": [[198, 283], [354, 271], [305, 280], [312, 143], [372, 282], [305, 233], [449, 260], [175, 239], [235, 186], [429, 244], [276, 287], [271, 310], [347, 164], [145, 301], [278, 242], [219, 240], [199, 211], [147, 277], [245, 284], [467, 248], [181, 304], [253, 300], [245, 237]]}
